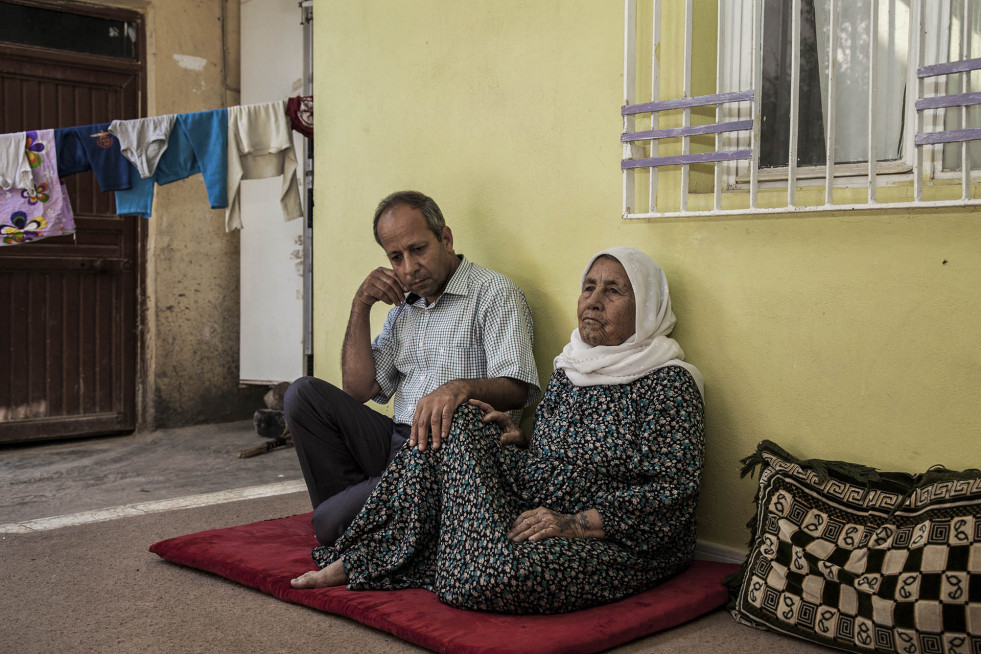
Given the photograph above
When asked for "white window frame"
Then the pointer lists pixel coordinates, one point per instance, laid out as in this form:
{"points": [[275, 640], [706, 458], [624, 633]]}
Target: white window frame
{"points": [[735, 194]]}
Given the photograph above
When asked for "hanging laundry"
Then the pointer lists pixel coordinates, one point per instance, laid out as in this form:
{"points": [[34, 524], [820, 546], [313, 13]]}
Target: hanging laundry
{"points": [[177, 162], [197, 144], [94, 148], [143, 140], [131, 157], [207, 132], [42, 209], [260, 145], [15, 168], [300, 111]]}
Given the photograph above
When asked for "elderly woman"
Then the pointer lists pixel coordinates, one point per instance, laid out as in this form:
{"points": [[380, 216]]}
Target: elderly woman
{"points": [[599, 505]]}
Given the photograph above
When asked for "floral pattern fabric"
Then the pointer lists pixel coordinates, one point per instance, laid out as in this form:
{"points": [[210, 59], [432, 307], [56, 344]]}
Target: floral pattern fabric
{"points": [[44, 209], [439, 519]]}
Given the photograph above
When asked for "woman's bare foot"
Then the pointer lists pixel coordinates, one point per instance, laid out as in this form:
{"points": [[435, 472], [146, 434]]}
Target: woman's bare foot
{"points": [[332, 575]]}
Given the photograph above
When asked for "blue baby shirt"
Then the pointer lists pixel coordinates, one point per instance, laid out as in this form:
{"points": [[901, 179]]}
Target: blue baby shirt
{"points": [[93, 148]]}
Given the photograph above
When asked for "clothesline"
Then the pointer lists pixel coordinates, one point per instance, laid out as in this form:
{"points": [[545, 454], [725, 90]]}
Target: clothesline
{"points": [[131, 157]]}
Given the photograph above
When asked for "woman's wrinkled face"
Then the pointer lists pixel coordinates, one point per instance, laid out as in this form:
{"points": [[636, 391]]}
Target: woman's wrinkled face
{"points": [[607, 309]]}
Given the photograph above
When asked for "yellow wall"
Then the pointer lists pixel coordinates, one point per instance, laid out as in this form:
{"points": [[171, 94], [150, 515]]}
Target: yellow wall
{"points": [[847, 336]]}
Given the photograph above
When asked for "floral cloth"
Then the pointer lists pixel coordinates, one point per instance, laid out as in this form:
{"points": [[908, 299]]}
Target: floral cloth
{"points": [[439, 519], [29, 214]]}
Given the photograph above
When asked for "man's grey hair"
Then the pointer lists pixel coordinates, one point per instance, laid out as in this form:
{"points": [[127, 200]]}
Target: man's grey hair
{"points": [[416, 200]]}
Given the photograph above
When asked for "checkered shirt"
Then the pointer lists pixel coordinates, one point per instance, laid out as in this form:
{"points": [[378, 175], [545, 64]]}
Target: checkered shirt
{"points": [[479, 328]]}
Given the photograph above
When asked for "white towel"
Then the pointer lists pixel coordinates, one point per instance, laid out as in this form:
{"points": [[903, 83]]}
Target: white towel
{"points": [[15, 171]]}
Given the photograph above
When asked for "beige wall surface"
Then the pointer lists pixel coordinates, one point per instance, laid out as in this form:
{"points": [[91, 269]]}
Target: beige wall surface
{"points": [[192, 306], [844, 336]]}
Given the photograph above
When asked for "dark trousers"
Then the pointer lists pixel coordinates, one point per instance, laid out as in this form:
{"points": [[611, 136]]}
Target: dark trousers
{"points": [[343, 448]]}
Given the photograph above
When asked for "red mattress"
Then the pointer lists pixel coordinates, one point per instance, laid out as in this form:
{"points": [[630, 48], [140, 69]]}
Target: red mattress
{"points": [[266, 555]]}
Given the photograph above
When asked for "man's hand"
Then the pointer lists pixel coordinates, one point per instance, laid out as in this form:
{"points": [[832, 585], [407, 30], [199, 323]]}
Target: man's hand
{"points": [[541, 523], [510, 433], [357, 363], [382, 284], [434, 414]]}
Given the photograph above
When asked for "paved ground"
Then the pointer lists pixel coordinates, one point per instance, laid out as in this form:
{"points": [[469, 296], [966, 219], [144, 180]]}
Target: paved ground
{"points": [[40, 481], [86, 582], [94, 588]]}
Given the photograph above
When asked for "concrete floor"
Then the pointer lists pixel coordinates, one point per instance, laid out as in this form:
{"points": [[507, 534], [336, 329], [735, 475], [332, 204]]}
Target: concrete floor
{"points": [[86, 583], [59, 478]]}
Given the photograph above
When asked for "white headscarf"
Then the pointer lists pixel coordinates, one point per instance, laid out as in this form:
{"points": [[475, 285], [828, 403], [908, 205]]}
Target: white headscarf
{"points": [[648, 349]]}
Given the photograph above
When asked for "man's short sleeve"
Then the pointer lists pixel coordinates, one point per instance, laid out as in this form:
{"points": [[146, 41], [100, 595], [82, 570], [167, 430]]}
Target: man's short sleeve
{"points": [[509, 336], [383, 350]]}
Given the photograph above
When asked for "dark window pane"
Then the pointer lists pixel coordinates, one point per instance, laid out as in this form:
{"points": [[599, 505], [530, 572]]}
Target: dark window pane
{"points": [[65, 31], [775, 106]]}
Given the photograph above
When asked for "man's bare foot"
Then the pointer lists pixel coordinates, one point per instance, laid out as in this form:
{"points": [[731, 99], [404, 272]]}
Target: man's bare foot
{"points": [[332, 575]]}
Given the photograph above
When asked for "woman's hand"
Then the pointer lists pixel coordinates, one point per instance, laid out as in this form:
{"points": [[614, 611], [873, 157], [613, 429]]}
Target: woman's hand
{"points": [[541, 523], [510, 434]]}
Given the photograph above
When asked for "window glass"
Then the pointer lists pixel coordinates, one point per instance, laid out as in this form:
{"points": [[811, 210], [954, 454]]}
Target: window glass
{"points": [[65, 31], [775, 96], [851, 81], [965, 43]]}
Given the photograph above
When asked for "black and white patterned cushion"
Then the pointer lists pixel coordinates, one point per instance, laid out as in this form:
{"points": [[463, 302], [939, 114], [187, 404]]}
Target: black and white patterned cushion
{"points": [[848, 557]]}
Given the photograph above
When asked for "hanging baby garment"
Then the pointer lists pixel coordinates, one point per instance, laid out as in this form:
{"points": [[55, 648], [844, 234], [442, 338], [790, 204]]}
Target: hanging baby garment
{"points": [[42, 209], [260, 145], [177, 162], [193, 147], [207, 133], [94, 148], [143, 140], [15, 168], [300, 111]]}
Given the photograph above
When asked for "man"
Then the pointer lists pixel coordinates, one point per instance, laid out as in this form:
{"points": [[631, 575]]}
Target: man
{"points": [[457, 331]]}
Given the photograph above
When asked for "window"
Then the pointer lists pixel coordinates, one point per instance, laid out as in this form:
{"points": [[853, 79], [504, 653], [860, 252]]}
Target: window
{"points": [[777, 73], [38, 26], [895, 107], [851, 76]]}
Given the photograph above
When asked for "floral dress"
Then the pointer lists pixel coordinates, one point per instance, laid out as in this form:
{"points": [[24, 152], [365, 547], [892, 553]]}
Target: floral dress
{"points": [[439, 519]]}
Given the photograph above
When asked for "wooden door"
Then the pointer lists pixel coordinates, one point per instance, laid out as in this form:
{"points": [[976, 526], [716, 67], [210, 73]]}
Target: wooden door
{"points": [[70, 306]]}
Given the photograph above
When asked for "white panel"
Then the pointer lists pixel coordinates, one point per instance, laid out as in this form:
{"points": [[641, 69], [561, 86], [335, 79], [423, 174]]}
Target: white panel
{"points": [[272, 264]]}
